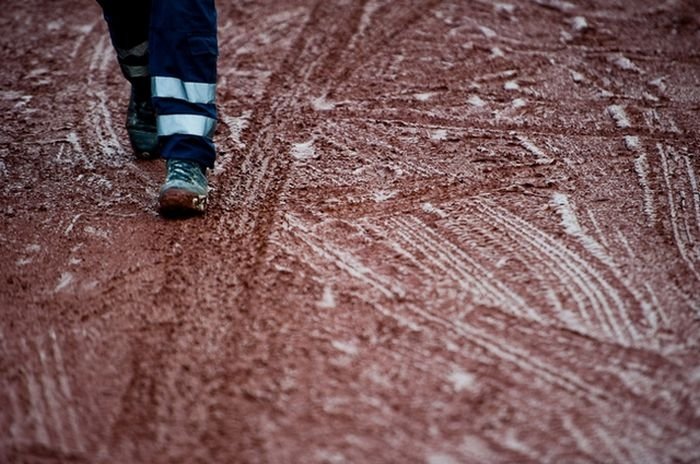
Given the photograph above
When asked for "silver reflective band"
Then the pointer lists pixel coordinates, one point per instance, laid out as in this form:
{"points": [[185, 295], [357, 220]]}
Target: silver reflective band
{"points": [[193, 92], [188, 124], [135, 71], [138, 50]]}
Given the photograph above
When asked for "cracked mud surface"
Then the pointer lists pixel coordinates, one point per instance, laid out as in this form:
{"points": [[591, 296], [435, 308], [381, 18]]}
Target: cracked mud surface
{"points": [[441, 232]]}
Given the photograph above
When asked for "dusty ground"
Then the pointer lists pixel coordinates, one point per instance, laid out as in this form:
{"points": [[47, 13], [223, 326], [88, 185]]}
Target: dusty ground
{"points": [[440, 232]]}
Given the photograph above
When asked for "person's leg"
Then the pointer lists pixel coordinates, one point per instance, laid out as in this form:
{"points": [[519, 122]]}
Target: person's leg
{"points": [[183, 55], [183, 47], [129, 22], [129, 26]]}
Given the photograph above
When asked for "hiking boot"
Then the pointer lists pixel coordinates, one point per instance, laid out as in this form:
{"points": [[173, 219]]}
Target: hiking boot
{"points": [[185, 189], [141, 126]]}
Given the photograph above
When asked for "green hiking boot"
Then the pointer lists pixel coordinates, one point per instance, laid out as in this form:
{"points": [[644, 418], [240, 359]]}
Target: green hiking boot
{"points": [[185, 189], [141, 126]]}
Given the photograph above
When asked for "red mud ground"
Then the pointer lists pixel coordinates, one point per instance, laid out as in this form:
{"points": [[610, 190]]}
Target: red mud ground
{"points": [[440, 232]]}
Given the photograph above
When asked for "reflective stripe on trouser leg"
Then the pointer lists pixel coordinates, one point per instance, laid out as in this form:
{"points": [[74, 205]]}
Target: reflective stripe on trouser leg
{"points": [[134, 61], [183, 51], [192, 92], [139, 50], [132, 72], [128, 22], [186, 124]]}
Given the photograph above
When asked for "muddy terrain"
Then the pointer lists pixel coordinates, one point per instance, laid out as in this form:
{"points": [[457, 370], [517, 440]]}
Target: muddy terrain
{"points": [[439, 232]]}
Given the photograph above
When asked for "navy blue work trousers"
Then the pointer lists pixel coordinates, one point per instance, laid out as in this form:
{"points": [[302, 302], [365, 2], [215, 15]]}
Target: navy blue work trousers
{"points": [[168, 49]]}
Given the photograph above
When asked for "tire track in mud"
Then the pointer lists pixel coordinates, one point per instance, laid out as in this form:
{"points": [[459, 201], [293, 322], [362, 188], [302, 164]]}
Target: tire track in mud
{"points": [[389, 289], [641, 304], [97, 152], [259, 179], [145, 397], [453, 262], [278, 112], [453, 298], [97, 143], [591, 287], [566, 379], [92, 63], [42, 414], [681, 209], [598, 294], [678, 181], [236, 230]]}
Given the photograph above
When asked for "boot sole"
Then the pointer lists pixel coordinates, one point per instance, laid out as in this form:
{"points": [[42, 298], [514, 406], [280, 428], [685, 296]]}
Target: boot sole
{"points": [[181, 202]]}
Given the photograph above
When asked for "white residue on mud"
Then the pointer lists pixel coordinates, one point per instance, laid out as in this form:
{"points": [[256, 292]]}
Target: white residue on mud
{"points": [[383, 195], [432, 209], [540, 156], [54, 25], [438, 134], [33, 248], [511, 85], [632, 142], [641, 167], [74, 141], [236, 125], [507, 74], [462, 380], [328, 299], [304, 151], [37, 72], [556, 4], [579, 23], [623, 63], [504, 8], [423, 96], [619, 115], [658, 83], [84, 28], [64, 281], [20, 98], [519, 103], [496, 52], [348, 348], [368, 11], [71, 225], [488, 32], [652, 117], [97, 232], [476, 100], [572, 227], [650, 97], [322, 104]]}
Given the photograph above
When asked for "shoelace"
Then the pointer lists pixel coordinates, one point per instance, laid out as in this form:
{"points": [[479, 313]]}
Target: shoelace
{"points": [[184, 171]]}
